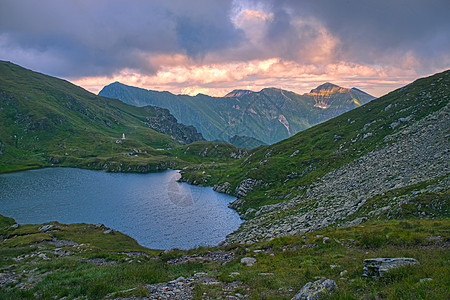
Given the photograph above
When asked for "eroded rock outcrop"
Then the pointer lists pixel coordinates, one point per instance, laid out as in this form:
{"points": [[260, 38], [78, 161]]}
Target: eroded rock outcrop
{"points": [[378, 267], [316, 290]]}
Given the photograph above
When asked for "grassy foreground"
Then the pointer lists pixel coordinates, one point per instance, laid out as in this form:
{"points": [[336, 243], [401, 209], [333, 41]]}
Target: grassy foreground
{"points": [[89, 261]]}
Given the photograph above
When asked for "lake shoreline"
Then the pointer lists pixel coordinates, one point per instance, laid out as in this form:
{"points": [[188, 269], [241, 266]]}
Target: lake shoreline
{"points": [[176, 202]]}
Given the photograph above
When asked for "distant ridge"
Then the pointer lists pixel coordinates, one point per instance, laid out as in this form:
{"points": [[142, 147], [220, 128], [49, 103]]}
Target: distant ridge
{"points": [[269, 115], [238, 93]]}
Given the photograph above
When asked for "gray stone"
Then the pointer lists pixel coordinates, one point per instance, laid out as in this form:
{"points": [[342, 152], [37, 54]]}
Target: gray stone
{"points": [[354, 222], [249, 261], [378, 267], [316, 290], [45, 227], [223, 188]]}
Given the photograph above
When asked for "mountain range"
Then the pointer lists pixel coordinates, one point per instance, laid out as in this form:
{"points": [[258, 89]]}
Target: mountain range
{"points": [[388, 159], [269, 115]]}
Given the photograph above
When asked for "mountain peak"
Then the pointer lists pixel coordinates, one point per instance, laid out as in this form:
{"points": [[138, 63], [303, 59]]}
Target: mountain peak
{"points": [[238, 93], [327, 86], [329, 94]]}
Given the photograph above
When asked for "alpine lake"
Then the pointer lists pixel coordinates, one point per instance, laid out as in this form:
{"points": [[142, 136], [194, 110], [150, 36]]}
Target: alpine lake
{"points": [[154, 209]]}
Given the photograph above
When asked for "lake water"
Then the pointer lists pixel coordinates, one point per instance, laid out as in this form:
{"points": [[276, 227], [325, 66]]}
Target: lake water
{"points": [[154, 209]]}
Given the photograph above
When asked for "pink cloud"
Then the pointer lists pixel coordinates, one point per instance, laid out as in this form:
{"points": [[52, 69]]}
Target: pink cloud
{"points": [[181, 75]]}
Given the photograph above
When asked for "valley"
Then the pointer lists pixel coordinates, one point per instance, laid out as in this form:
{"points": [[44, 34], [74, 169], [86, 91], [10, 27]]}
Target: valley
{"points": [[369, 183]]}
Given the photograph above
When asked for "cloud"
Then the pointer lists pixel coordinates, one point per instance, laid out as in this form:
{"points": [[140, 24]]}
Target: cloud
{"points": [[379, 32], [103, 37], [219, 79], [209, 45]]}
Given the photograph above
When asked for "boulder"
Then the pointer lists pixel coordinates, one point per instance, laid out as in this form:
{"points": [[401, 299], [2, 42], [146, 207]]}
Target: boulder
{"points": [[378, 267], [316, 290], [249, 261]]}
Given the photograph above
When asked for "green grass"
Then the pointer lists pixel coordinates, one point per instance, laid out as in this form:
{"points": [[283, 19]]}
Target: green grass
{"points": [[5, 221], [292, 260], [287, 167], [46, 121]]}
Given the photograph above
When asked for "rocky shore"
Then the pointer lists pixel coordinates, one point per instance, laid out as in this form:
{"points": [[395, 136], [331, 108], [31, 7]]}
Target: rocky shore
{"points": [[417, 157]]}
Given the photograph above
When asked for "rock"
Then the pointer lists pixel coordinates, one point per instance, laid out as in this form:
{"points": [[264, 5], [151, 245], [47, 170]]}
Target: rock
{"points": [[247, 185], [248, 212], [354, 222], [249, 261], [378, 267], [58, 243], [295, 153], [45, 227], [334, 266], [43, 256], [223, 188], [316, 290], [425, 280], [234, 274], [218, 255]]}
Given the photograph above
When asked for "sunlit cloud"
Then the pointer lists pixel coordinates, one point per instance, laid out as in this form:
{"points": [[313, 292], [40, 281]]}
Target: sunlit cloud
{"points": [[219, 79]]}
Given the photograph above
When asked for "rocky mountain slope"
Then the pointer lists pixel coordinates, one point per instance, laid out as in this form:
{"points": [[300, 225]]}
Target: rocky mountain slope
{"points": [[269, 115], [45, 120], [387, 159]]}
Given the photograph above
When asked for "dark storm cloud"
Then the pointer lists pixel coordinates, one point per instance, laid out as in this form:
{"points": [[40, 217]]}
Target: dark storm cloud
{"points": [[103, 37], [90, 38], [379, 31]]}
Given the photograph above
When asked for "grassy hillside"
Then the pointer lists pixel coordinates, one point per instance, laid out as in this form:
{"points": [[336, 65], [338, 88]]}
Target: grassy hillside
{"points": [[285, 167], [269, 115], [47, 121], [388, 159], [245, 142], [54, 261]]}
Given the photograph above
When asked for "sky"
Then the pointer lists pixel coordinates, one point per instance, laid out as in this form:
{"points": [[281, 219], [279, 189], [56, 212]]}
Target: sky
{"points": [[215, 46]]}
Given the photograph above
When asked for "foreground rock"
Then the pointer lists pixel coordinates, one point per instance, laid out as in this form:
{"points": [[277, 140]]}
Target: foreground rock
{"points": [[218, 255], [378, 267], [183, 288], [248, 261], [316, 290]]}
